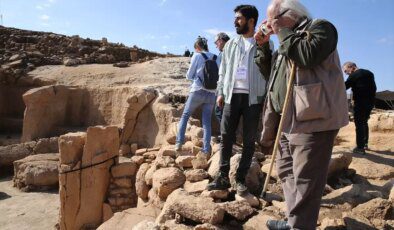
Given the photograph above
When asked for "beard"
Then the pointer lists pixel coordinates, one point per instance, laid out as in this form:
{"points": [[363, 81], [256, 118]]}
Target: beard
{"points": [[241, 29]]}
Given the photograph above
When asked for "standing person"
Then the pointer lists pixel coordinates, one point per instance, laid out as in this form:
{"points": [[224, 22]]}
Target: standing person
{"points": [[317, 109], [363, 86], [199, 96], [241, 90], [220, 40]]}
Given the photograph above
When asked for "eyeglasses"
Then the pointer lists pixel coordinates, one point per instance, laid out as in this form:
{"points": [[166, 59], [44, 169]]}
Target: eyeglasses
{"points": [[279, 15]]}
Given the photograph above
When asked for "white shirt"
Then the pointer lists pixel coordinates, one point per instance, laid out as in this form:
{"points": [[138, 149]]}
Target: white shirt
{"points": [[241, 84]]}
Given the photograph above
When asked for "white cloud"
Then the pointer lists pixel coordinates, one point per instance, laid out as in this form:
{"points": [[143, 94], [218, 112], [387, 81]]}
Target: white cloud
{"points": [[389, 40], [51, 1], [164, 48], [39, 7], [162, 2], [44, 17]]}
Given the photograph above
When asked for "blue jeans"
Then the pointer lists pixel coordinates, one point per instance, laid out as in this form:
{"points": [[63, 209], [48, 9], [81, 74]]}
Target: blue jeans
{"points": [[196, 99]]}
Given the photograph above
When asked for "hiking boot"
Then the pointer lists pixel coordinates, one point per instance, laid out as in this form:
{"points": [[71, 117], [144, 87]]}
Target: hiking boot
{"points": [[178, 147], [359, 150], [219, 183], [277, 225], [241, 189]]}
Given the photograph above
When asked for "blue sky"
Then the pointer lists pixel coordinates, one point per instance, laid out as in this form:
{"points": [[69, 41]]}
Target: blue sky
{"points": [[366, 27]]}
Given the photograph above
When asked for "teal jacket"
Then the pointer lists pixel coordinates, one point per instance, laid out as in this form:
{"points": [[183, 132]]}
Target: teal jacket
{"points": [[230, 57]]}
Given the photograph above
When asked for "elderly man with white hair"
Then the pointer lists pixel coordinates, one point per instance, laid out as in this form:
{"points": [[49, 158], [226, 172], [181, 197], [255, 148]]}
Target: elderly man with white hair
{"points": [[317, 109]]}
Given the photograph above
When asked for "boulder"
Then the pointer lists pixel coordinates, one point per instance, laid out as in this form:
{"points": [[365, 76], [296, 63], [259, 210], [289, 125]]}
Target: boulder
{"points": [[166, 180], [254, 178], [195, 175], [196, 187], [11, 153], [340, 160], [353, 194], [131, 219], [240, 210], [198, 209], [37, 172], [377, 208], [164, 161], [125, 169], [137, 159], [47, 145], [265, 168], [249, 198], [141, 187], [258, 221], [184, 161], [332, 224], [200, 162], [167, 151], [216, 194]]}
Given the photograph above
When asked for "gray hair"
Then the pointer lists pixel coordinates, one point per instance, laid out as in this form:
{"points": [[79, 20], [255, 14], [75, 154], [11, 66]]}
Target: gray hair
{"points": [[296, 9], [349, 64]]}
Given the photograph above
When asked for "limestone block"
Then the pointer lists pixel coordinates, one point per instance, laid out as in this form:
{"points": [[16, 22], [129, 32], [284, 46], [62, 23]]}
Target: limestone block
{"points": [[166, 180], [37, 172]]}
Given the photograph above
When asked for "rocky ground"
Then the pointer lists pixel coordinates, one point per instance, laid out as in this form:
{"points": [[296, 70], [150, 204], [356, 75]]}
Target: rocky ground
{"points": [[373, 178]]}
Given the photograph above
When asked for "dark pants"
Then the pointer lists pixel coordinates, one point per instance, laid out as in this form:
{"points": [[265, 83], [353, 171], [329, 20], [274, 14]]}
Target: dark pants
{"points": [[218, 113], [302, 165], [361, 116], [231, 116]]}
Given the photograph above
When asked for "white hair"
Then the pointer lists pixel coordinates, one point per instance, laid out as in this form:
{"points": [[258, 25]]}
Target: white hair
{"points": [[296, 9]]}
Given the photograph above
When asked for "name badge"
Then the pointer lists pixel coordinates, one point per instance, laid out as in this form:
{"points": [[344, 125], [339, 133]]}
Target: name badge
{"points": [[241, 73]]}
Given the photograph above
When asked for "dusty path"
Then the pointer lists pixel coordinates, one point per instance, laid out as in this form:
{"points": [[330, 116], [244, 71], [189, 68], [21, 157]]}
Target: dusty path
{"points": [[20, 210]]}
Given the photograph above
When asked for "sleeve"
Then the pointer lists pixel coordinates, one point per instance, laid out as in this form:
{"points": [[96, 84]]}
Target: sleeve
{"points": [[349, 83], [263, 59], [222, 70], [309, 48], [192, 71]]}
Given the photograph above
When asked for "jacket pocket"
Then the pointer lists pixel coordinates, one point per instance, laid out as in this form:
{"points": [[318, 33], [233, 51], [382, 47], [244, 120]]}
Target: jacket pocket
{"points": [[310, 102]]}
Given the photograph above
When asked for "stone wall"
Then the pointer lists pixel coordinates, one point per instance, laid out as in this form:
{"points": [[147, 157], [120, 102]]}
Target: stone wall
{"points": [[85, 163], [52, 110], [55, 110]]}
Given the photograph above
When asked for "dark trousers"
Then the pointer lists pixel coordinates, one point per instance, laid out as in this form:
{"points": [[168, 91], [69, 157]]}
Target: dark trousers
{"points": [[361, 117], [302, 164], [231, 116], [218, 113]]}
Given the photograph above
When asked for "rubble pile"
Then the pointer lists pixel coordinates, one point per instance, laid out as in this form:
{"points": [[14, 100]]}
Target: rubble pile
{"points": [[23, 50]]}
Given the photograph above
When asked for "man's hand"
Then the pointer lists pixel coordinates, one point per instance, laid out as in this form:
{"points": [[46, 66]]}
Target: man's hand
{"points": [[220, 101], [261, 38]]}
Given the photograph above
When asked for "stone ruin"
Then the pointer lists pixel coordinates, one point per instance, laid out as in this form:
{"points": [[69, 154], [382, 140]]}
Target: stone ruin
{"points": [[110, 150]]}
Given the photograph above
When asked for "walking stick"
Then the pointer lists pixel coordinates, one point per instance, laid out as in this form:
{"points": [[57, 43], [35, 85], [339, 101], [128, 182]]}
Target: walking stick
{"points": [[279, 133]]}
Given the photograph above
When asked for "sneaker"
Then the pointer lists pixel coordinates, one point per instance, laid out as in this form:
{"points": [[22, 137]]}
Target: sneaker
{"points": [[219, 183], [178, 146], [358, 150], [241, 188], [277, 225], [366, 147]]}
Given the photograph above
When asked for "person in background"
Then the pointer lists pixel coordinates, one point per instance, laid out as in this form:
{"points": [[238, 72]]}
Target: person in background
{"points": [[199, 96], [220, 40], [317, 109], [363, 86]]}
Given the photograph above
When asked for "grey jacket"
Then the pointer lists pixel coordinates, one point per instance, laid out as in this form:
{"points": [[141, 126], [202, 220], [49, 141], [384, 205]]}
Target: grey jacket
{"points": [[318, 102], [230, 57]]}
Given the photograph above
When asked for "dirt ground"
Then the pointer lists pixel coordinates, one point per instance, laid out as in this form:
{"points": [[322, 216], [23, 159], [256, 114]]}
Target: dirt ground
{"points": [[20, 210]]}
